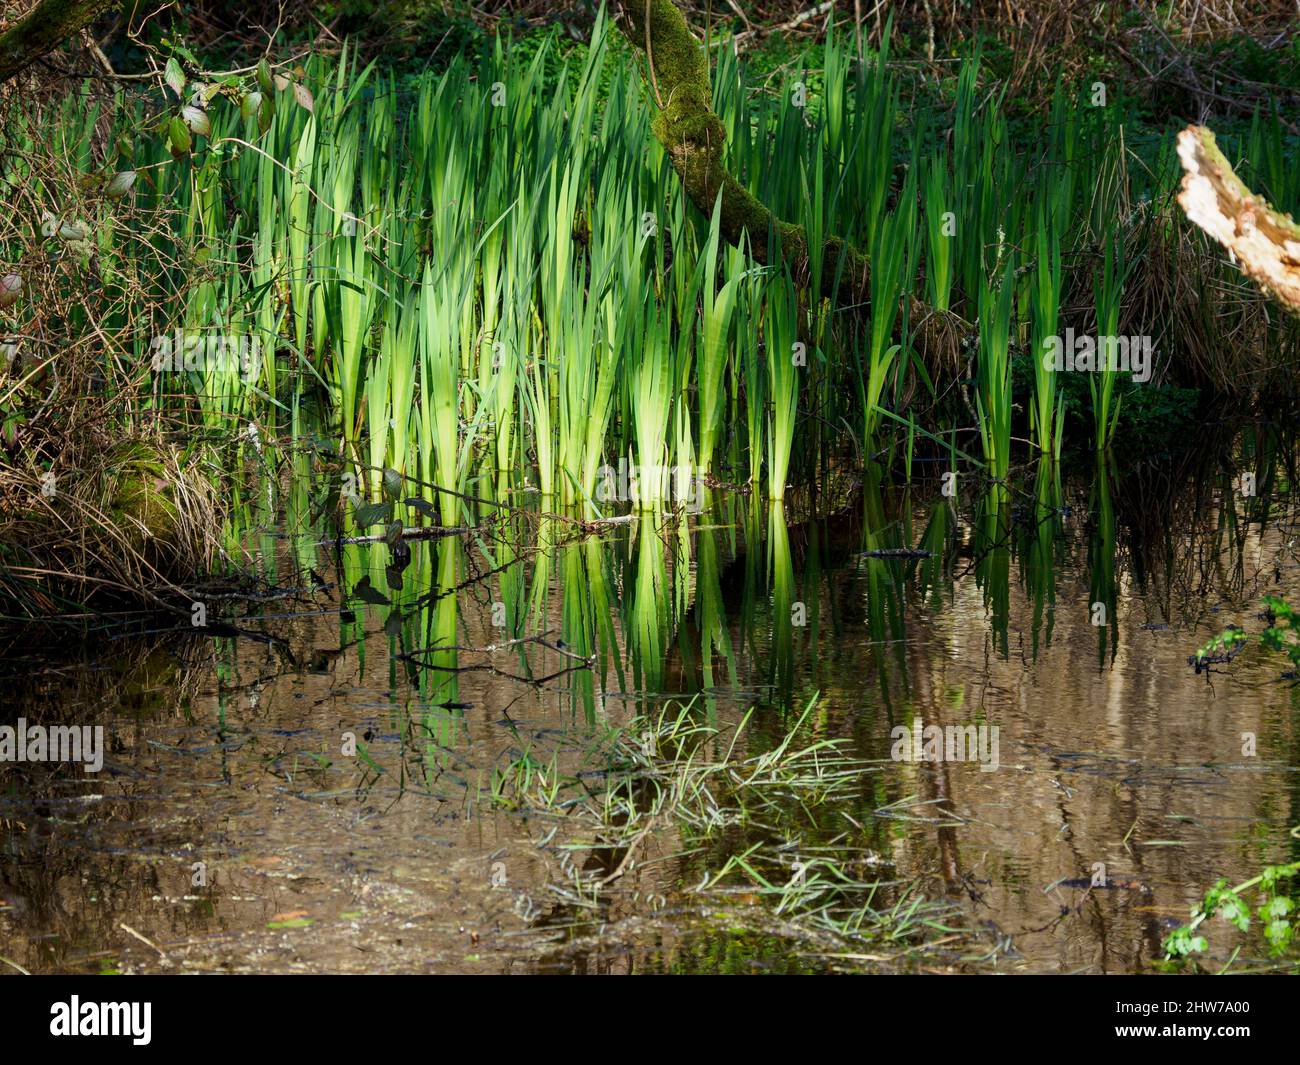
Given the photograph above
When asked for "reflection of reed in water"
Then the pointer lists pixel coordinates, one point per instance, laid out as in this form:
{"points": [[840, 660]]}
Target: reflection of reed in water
{"points": [[1103, 601], [781, 582], [1037, 554], [993, 560]]}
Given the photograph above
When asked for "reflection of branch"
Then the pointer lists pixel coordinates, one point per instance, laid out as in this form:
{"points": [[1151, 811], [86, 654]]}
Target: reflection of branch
{"points": [[1263, 242], [415, 532], [558, 648], [585, 661]]}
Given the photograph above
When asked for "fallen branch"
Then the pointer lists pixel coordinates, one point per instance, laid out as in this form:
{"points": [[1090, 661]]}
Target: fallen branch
{"points": [[1263, 241]]}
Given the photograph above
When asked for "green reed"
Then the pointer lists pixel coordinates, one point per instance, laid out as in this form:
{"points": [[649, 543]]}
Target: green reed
{"points": [[1047, 409], [1108, 292], [718, 307], [891, 269], [993, 373], [438, 417], [493, 270], [940, 229], [786, 361]]}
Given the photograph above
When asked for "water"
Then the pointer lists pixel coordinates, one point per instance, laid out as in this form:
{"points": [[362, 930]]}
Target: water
{"points": [[230, 831]]}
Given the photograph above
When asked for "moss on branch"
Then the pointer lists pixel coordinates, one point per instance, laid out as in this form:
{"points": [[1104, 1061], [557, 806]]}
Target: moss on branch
{"points": [[694, 138], [44, 28]]}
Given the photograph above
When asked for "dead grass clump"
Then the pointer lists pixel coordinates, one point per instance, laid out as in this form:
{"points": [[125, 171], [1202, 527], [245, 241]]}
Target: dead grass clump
{"points": [[102, 499]]}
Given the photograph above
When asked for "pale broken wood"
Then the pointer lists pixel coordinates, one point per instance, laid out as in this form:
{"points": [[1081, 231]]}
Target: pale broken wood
{"points": [[1263, 241]]}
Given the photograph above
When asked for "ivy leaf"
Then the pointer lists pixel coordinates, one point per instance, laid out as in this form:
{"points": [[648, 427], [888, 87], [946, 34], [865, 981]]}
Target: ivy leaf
{"points": [[1279, 934], [1278, 907], [1234, 911]]}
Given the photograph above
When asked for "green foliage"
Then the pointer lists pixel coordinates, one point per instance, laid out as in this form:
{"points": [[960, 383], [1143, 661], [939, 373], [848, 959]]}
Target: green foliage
{"points": [[1280, 635], [1223, 647], [490, 264], [1272, 894]]}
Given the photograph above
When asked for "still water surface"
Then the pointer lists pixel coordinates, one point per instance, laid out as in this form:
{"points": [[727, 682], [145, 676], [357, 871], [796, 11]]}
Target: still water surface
{"points": [[230, 831]]}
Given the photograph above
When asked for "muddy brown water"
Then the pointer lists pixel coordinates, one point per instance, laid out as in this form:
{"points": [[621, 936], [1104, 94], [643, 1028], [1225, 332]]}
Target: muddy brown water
{"points": [[228, 831]]}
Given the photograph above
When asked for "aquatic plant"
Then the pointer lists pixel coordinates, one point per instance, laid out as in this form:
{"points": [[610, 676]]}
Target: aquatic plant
{"points": [[993, 372], [1047, 412], [1275, 892], [1109, 290]]}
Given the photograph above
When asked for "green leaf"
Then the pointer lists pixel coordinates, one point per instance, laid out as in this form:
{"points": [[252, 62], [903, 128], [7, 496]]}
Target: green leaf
{"points": [[393, 482], [296, 922], [265, 114], [368, 593], [1278, 907], [1234, 911], [369, 514], [178, 134], [11, 288]]}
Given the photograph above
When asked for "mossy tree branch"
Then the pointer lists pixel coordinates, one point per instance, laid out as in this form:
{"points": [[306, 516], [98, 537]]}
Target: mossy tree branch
{"points": [[44, 28], [1264, 242], [694, 138]]}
